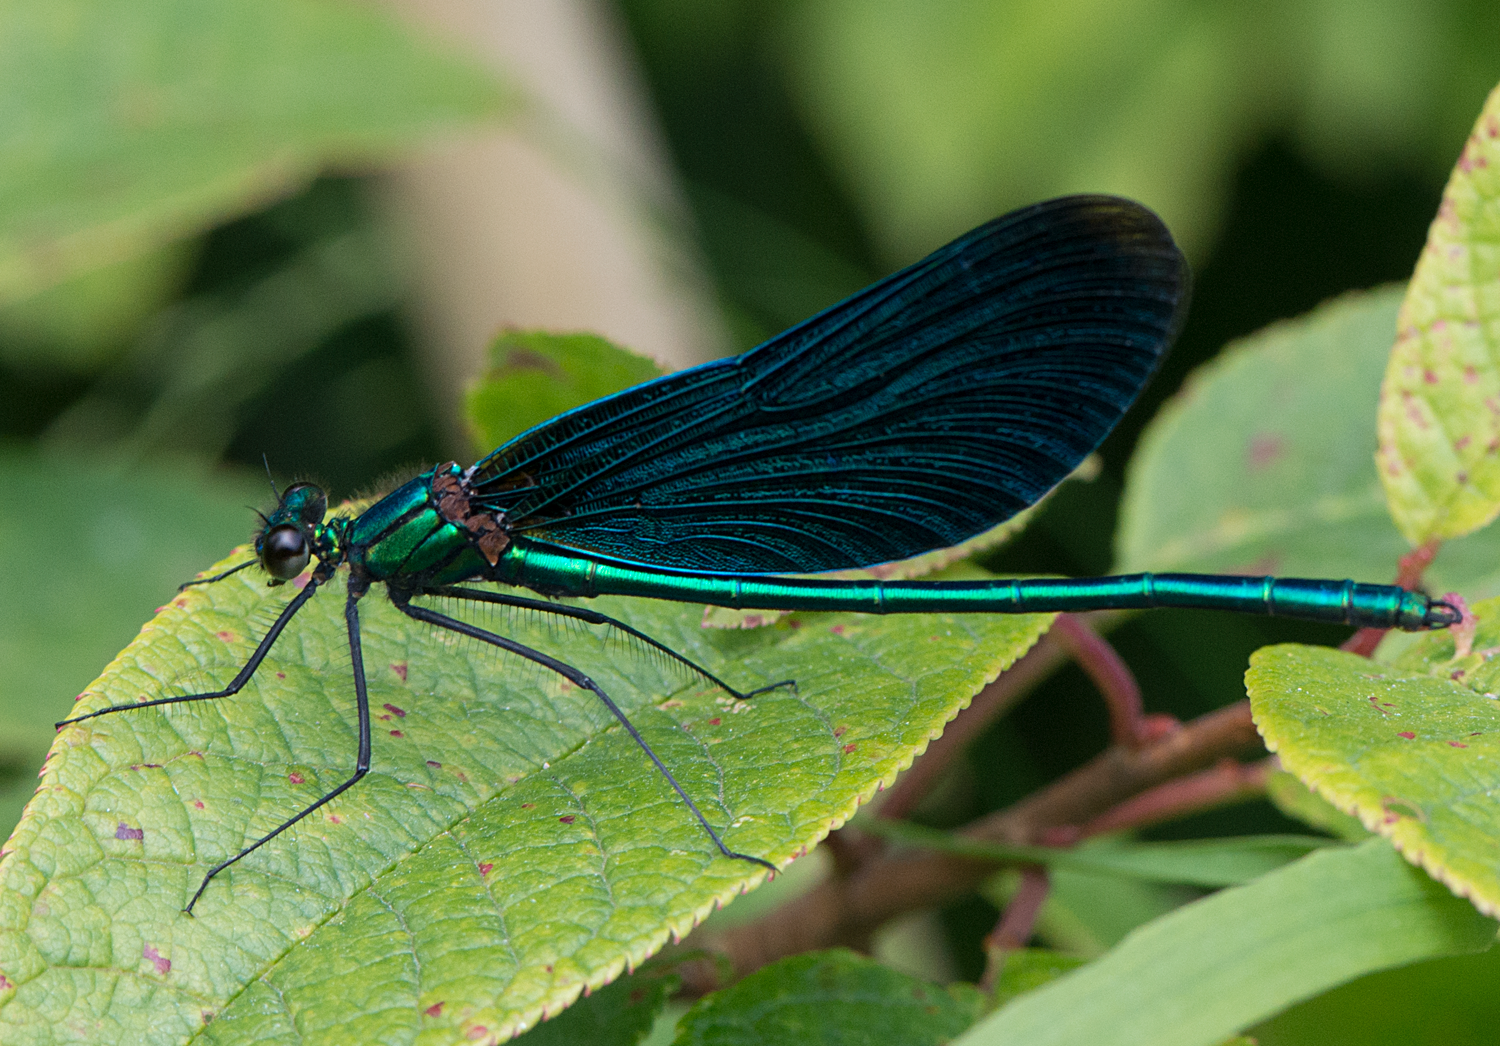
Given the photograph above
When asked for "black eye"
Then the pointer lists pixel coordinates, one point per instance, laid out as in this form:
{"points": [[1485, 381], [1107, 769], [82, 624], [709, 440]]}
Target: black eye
{"points": [[284, 552]]}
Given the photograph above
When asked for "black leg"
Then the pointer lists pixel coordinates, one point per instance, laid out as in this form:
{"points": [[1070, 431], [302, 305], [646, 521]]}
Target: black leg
{"points": [[593, 617], [217, 577], [362, 760], [240, 679], [572, 674]]}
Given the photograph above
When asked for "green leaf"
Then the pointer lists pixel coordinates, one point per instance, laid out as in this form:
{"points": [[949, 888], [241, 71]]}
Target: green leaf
{"points": [[1026, 969], [1264, 463], [534, 376], [129, 123], [1197, 862], [1407, 747], [1441, 1002], [1296, 800], [87, 548], [619, 1014], [510, 847], [1214, 967], [1439, 428], [832, 997]]}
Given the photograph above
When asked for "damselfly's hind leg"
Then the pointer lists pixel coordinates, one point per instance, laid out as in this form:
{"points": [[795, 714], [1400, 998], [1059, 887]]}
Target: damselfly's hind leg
{"points": [[593, 617], [573, 675], [244, 674], [362, 757]]}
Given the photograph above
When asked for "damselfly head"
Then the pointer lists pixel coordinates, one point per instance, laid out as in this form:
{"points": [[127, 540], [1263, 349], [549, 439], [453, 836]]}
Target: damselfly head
{"points": [[286, 545]]}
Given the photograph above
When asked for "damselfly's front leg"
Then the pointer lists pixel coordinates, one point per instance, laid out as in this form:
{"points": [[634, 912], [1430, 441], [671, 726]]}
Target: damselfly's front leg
{"points": [[243, 676]]}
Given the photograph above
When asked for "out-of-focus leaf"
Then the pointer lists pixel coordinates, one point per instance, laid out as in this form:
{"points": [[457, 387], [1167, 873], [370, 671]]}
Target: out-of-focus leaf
{"points": [[832, 998], [1295, 799], [204, 358], [510, 847], [1196, 862], [1409, 747], [941, 116], [534, 376], [81, 323], [1026, 969], [1215, 967], [1441, 1002], [127, 124], [619, 1014], [1440, 405], [1263, 464], [1086, 913], [87, 549]]}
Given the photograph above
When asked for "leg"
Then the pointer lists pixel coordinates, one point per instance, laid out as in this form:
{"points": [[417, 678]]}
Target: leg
{"points": [[361, 761], [572, 674], [593, 617], [244, 674], [217, 577]]}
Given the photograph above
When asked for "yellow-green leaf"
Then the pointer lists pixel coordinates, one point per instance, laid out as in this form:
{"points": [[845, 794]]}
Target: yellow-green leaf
{"points": [[510, 848], [1410, 747], [1440, 405]]}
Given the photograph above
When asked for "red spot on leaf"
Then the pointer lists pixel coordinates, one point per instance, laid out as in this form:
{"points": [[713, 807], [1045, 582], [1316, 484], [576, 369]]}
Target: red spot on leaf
{"points": [[837, 630], [397, 733], [335, 818], [296, 778], [399, 668], [484, 868], [1462, 478], [124, 831], [198, 803], [527, 806], [1470, 374], [849, 748], [1457, 744], [715, 721], [1264, 450], [395, 711], [280, 675], [226, 636], [152, 956], [793, 623], [567, 818], [435, 1010], [839, 731], [434, 764], [1429, 377], [1408, 735], [1380, 706], [5, 984], [477, 1032]]}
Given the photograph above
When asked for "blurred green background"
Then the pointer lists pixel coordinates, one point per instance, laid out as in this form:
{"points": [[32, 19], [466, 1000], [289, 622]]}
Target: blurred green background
{"points": [[207, 253]]}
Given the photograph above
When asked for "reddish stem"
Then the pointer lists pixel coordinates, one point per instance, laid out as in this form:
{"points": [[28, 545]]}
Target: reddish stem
{"points": [[1128, 725], [1016, 924], [1226, 782]]}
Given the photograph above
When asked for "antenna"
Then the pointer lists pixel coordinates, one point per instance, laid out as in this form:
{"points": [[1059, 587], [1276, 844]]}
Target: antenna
{"points": [[270, 478]]}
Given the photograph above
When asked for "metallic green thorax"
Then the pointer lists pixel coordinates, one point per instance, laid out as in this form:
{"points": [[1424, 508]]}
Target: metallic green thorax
{"points": [[425, 534]]}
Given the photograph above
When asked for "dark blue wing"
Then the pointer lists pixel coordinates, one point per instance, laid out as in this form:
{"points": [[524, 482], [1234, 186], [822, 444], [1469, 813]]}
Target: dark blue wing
{"points": [[916, 414]]}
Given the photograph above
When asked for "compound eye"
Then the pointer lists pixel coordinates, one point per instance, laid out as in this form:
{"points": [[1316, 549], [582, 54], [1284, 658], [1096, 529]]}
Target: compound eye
{"points": [[284, 552]]}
